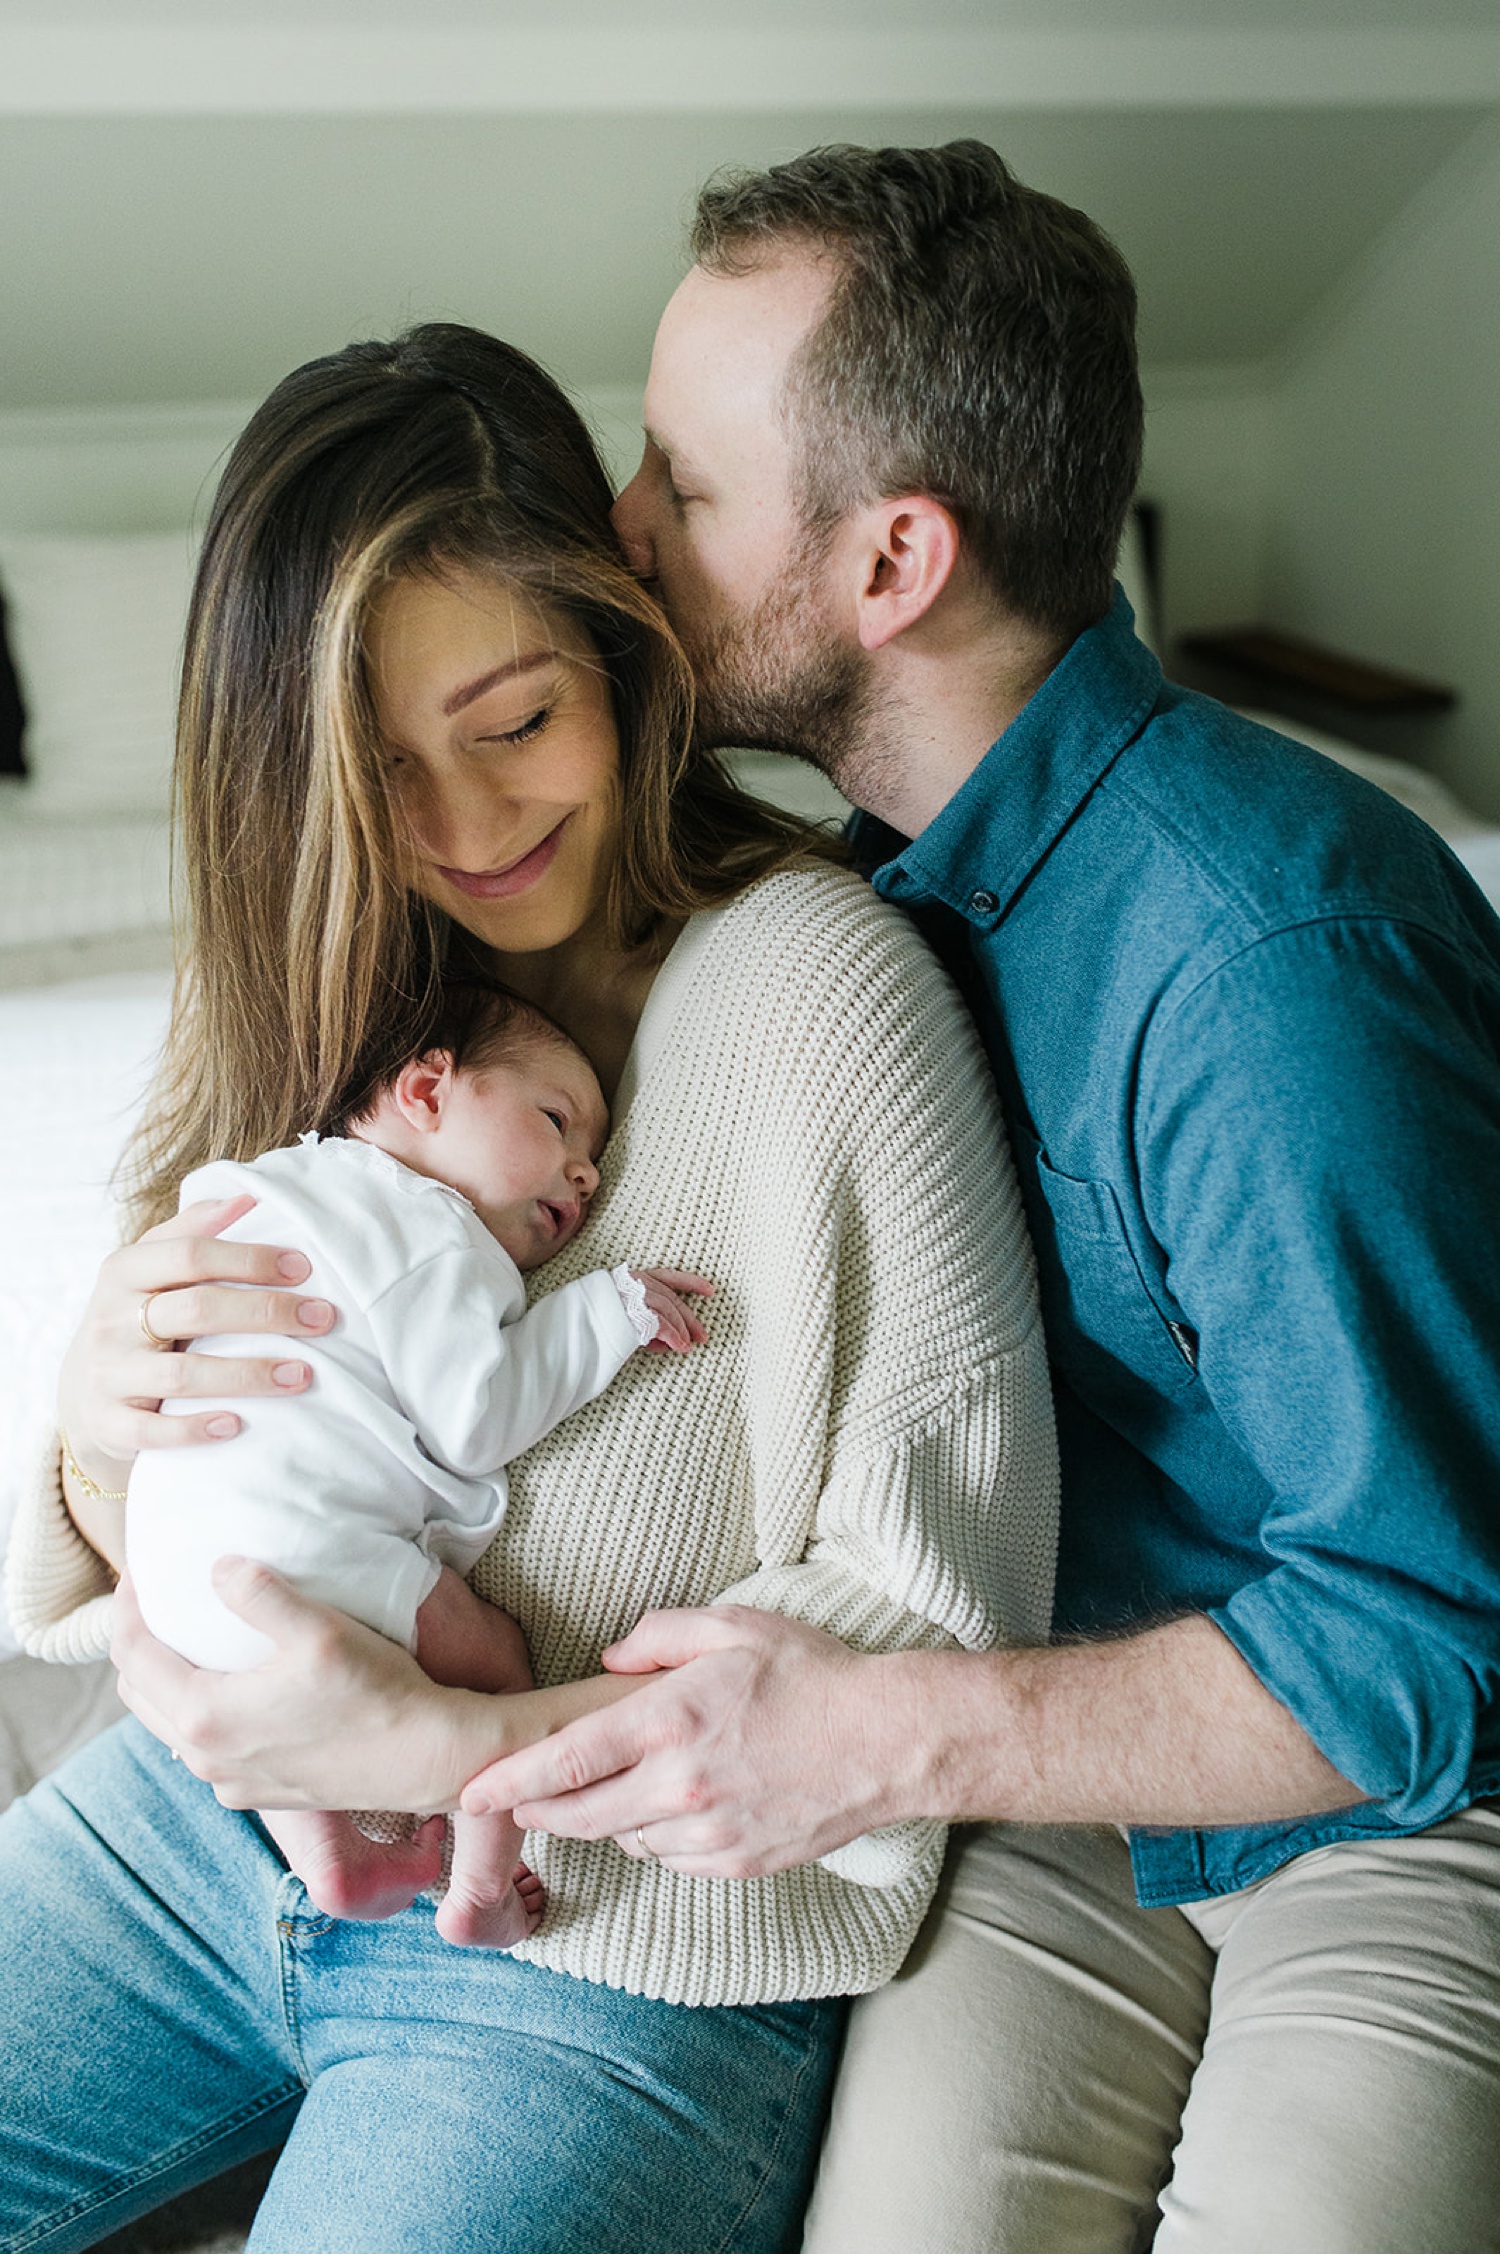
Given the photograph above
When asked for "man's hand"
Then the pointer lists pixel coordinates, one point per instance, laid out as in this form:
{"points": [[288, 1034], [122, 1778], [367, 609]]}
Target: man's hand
{"points": [[340, 1718], [764, 1743]]}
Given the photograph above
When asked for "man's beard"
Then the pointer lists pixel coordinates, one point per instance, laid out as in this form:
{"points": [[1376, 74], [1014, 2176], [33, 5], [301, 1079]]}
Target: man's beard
{"points": [[772, 681]]}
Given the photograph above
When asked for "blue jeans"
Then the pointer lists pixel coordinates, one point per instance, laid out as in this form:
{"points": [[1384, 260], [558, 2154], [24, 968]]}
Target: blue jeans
{"points": [[173, 2003]]}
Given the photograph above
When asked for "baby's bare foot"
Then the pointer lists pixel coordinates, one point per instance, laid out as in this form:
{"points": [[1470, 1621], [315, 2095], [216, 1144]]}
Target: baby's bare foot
{"points": [[470, 1922], [351, 1876]]}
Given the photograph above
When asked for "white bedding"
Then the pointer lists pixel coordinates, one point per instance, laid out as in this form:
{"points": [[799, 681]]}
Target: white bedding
{"points": [[79, 896]]}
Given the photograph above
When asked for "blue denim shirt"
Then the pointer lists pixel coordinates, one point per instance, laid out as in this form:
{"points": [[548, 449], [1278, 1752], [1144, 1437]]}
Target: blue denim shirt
{"points": [[1244, 1011]]}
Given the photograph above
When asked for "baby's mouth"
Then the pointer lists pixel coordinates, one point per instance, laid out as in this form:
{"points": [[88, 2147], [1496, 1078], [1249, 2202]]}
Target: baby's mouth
{"points": [[561, 1217]]}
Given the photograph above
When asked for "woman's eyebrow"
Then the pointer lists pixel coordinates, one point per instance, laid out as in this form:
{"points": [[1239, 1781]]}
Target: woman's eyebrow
{"points": [[494, 677]]}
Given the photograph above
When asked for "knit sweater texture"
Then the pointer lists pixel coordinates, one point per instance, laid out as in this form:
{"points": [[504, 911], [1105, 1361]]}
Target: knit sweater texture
{"points": [[865, 1442]]}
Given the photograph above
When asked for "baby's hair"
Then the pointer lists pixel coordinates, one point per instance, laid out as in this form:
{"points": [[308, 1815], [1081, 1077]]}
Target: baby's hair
{"points": [[475, 1021]]}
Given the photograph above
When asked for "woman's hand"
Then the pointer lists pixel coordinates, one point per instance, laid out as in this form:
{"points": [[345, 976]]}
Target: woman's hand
{"points": [[179, 1278], [340, 1718]]}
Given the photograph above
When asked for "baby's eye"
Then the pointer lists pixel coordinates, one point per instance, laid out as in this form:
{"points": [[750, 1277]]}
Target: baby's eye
{"points": [[558, 1119]]}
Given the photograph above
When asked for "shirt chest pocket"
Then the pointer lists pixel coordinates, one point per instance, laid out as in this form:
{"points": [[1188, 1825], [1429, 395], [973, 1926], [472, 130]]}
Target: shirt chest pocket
{"points": [[1104, 1328]]}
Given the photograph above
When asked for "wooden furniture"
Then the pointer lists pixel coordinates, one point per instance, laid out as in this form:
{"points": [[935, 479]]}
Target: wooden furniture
{"points": [[1286, 665]]}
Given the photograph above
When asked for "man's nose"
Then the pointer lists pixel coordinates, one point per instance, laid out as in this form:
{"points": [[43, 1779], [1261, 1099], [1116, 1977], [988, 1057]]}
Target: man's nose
{"points": [[630, 521]]}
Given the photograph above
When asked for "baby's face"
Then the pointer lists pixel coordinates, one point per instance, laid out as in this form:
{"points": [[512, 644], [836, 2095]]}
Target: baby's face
{"points": [[520, 1140]]}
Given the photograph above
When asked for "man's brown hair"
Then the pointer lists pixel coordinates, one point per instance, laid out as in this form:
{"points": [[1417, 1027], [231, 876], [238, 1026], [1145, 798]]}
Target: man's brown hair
{"points": [[979, 347]]}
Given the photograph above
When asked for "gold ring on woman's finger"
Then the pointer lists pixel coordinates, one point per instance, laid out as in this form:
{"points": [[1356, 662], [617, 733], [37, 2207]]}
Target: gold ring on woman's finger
{"points": [[162, 1345], [640, 1840]]}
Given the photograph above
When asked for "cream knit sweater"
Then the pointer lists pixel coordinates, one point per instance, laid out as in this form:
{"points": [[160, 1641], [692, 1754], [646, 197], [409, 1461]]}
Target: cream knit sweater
{"points": [[865, 1442]]}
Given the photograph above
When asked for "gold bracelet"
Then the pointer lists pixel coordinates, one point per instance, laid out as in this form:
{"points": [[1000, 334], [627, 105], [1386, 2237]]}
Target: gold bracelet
{"points": [[89, 1486]]}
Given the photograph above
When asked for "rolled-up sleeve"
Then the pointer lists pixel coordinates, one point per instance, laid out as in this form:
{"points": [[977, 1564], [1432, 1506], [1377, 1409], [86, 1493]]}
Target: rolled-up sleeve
{"points": [[1319, 1122]]}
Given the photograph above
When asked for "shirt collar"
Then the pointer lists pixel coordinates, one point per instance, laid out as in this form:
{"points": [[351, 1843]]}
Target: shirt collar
{"points": [[979, 850]]}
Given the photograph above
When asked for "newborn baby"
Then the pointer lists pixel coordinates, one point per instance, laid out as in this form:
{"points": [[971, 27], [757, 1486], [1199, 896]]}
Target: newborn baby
{"points": [[471, 1160]]}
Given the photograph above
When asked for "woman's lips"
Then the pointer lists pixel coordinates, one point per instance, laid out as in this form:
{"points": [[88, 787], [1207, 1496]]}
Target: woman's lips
{"points": [[499, 884]]}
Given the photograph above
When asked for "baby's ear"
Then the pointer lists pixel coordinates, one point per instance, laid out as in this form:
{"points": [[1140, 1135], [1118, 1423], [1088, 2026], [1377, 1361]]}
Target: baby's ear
{"points": [[421, 1089]]}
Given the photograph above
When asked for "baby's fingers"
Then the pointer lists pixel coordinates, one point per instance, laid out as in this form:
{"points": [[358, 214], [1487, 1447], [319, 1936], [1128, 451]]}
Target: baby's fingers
{"points": [[677, 1327], [681, 1279]]}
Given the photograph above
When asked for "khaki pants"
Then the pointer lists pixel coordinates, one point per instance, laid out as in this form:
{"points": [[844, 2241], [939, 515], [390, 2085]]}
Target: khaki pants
{"points": [[1310, 2066]]}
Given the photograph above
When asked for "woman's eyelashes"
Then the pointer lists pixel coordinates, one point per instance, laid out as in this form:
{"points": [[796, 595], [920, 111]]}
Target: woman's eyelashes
{"points": [[399, 764], [523, 734]]}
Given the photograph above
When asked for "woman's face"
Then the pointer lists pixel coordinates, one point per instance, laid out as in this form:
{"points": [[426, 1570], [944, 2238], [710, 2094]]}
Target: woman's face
{"points": [[502, 755]]}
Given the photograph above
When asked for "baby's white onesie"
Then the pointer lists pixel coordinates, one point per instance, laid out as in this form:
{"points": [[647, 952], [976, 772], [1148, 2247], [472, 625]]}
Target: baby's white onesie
{"points": [[434, 1376]]}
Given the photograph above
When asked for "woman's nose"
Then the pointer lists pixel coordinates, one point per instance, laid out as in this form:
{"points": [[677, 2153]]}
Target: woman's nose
{"points": [[454, 821], [630, 515]]}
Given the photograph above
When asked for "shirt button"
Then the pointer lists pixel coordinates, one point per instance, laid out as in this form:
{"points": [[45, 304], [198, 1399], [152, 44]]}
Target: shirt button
{"points": [[983, 903]]}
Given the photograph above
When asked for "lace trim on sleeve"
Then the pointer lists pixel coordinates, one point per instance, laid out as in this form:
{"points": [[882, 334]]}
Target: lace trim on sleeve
{"points": [[633, 1299]]}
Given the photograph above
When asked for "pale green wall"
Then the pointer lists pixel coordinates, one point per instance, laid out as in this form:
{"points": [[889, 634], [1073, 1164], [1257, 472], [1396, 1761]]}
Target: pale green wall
{"points": [[1208, 467], [146, 469], [1384, 516]]}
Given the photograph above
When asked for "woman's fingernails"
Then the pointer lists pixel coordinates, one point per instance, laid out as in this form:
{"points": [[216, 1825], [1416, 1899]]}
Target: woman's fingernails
{"points": [[290, 1373], [294, 1266], [222, 1428], [314, 1314]]}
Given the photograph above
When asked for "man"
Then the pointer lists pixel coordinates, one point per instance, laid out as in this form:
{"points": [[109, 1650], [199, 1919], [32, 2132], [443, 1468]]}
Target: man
{"points": [[1244, 1016]]}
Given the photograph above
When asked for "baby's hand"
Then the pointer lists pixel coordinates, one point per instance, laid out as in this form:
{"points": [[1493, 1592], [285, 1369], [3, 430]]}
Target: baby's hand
{"points": [[677, 1327]]}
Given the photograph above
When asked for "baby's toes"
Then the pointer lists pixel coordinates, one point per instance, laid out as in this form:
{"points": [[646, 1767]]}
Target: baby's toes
{"points": [[532, 1896]]}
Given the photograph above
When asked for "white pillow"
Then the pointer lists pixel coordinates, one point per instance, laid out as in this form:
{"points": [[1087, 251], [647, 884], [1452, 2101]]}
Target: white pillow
{"points": [[95, 624]]}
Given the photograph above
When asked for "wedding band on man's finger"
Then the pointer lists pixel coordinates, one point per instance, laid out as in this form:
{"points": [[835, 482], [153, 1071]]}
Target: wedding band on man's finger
{"points": [[161, 1345]]}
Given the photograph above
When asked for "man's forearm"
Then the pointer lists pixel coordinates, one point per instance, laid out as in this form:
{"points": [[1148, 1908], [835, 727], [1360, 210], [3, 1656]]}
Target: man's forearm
{"points": [[1167, 1727], [757, 1742]]}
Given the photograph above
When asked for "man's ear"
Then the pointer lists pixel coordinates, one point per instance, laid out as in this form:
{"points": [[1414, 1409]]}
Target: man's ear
{"points": [[908, 552], [421, 1089]]}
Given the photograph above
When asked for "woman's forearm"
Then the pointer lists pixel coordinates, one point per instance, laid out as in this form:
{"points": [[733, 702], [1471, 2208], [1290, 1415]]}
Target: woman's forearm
{"points": [[418, 1753], [478, 1727], [100, 1519], [340, 1718]]}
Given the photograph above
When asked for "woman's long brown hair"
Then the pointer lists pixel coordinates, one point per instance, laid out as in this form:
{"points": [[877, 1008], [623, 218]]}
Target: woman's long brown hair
{"points": [[302, 940]]}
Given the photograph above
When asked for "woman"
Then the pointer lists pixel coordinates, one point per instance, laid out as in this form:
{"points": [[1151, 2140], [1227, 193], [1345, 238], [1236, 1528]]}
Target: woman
{"points": [[426, 712]]}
